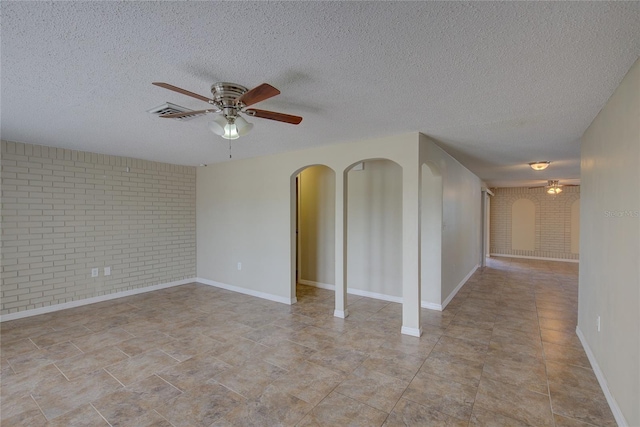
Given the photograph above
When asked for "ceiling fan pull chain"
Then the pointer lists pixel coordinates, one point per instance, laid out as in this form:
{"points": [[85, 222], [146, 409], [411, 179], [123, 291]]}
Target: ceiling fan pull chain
{"points": [[229, 148]]}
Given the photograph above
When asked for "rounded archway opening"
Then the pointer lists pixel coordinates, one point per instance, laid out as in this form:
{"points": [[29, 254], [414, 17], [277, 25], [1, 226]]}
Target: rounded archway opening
{"points": [[313, 233]]}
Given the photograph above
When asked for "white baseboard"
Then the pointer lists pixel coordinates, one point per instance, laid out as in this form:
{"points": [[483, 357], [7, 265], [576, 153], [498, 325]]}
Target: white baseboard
{"points": [[536, 257], [615, 409], [414, 332], [460, 285], [92, 300], [440, 307], [246, 291], [317, 284], [343, 314], [431, 305], [359, 292], [374, 295]]}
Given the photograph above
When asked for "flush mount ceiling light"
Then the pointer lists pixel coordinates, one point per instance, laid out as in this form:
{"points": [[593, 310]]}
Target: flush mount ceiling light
{"points": [[231, 99], [539, 166]]}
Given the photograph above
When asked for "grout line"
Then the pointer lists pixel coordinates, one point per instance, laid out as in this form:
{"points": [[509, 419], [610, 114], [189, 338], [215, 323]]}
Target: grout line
{"points": [[121, 351], [162, 351], [77, 347], [177, 388], [105, 369], [102, 416], [36, 402], [60, 370], [544, 357], [32, 342], [163, 417], [475, 398]]}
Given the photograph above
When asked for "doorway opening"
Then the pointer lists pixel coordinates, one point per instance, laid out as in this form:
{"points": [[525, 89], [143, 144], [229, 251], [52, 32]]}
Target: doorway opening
{"points": [[314, 235]]}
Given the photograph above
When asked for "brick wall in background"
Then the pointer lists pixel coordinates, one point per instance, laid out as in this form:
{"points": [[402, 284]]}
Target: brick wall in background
{"points": [[552, 222], [65, 212]]}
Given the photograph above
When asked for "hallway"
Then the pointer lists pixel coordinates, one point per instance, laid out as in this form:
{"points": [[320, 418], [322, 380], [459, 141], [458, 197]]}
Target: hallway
{"points": [[504, 352]]}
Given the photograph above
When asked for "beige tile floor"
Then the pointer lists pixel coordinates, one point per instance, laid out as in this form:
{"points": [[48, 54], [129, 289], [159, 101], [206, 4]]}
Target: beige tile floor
{"points": [[504, 352]]}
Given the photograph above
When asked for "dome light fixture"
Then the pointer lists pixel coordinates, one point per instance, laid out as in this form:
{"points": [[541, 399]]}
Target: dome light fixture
{"points": [[540, 166]]}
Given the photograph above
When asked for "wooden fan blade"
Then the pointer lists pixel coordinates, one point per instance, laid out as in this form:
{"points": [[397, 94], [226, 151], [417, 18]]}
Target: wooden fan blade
{"points": [[541, 186], [272, 115], [258, 94], [569, 185], [183, 91], [186, 114]]}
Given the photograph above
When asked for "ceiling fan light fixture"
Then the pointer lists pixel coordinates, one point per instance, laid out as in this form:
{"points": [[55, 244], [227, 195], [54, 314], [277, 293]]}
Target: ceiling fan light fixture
{"points": [[218, 124], [243, 127], [230, 131], [554, 190], [539, 166]]}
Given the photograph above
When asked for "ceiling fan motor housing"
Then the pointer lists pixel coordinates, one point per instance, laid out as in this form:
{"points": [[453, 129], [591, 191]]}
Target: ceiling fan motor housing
{"points": [[225, 94]]}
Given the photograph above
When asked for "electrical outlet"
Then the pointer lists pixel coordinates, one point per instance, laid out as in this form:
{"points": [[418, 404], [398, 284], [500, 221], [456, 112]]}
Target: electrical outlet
{"points": [[107, 271], [598, 321], [239, 266], [94, 272]]}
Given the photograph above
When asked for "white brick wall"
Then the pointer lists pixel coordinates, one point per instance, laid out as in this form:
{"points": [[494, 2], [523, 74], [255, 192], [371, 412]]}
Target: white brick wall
{"points": [[553, 221], [65, 212]]}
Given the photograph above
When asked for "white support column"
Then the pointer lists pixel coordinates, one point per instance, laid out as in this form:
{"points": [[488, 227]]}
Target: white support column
{"points": [[411, 251], [341, 246]]}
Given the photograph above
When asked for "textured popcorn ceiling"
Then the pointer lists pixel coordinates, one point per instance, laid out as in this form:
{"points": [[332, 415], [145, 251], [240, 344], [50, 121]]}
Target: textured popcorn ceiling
{"points": [[498, 84]]}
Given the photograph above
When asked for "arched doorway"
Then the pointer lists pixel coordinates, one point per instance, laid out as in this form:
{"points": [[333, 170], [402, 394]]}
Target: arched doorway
{"points": [[313, 200]]}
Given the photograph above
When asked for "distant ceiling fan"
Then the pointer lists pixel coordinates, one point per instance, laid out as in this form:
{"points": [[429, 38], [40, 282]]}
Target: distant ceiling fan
{"points": [[554, 187], [231, 99]]}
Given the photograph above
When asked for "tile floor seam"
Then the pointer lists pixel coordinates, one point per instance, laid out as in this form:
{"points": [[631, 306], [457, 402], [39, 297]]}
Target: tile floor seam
{"points": [[60, 370], [36, 402], [99, 413], [363, 403], [544, 358], [29, 338], [475, 399], [112, 376], [162, 351], [163, 417], [79, 349]]}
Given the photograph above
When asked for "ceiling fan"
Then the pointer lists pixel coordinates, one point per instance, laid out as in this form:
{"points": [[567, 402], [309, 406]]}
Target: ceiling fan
{"points": [[554, 187], [231, 99]]}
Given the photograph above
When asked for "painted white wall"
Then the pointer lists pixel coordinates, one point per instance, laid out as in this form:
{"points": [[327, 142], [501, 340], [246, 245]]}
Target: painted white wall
{"points": [[461, 214], [431, 229], [317, 224], [523, 225], [610, 247], [245, 212], [374, 227], [243, 215]]}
